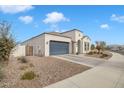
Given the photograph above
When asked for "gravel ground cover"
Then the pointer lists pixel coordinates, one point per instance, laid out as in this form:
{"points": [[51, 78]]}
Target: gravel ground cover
{"points": [[48, 70], [106, 55]]}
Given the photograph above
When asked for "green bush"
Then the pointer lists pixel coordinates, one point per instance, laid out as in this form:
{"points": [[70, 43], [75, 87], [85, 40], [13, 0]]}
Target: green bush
{"points": [[6, 41], [22, 59], [28, 75]]}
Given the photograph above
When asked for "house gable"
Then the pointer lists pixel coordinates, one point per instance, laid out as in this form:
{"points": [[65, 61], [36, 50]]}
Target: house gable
{"points": [[74, 34]]}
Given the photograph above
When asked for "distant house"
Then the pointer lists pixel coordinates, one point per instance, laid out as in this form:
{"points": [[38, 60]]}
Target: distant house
{"points": [[55, 43], [116, 47]]}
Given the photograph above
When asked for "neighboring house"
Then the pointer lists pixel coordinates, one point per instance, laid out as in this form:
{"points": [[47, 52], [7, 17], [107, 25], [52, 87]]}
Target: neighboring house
{"points": [[55, 43]]}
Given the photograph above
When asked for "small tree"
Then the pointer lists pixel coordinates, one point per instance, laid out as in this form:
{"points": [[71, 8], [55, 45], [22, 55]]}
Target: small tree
{"points": [[103, 45], [100, 45], [92, 47], [6, 41]]}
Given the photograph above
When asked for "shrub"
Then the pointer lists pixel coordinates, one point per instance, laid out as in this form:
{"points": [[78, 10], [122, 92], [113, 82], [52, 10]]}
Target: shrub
{"points": [[28, 75], [6, 41], [77, 53], [104, 55], [95, 52], [90, 53], [22, 59], [23, 67], [101, 52], [31, 65]]}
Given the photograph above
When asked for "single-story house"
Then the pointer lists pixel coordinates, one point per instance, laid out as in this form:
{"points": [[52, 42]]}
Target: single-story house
{"points": [[55, 43]]}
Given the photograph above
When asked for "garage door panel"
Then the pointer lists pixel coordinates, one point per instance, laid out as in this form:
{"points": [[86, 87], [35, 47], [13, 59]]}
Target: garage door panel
{"points": [[59, 48]]}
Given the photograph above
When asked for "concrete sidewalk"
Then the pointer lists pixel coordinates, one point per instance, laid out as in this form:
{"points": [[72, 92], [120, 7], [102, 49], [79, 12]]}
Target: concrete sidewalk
{"points": [[107, 75]]}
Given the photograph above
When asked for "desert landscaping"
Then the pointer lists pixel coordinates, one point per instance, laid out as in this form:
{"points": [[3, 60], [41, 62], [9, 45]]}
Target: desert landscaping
{"points": [[37, 71], [103, 55], [99, 50]]}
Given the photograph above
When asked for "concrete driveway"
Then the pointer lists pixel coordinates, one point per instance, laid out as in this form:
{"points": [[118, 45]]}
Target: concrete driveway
{"points": [[81, 59], [110, 74]]}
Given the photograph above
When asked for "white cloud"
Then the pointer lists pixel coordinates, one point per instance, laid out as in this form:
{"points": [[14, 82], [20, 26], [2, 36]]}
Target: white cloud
{"points": [[12, 9], [104, 26], [117, 18], [54, 18], [26, 19]]}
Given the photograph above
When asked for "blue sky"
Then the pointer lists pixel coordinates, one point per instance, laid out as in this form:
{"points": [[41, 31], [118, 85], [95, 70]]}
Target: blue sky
{"points": [[104, 23]]}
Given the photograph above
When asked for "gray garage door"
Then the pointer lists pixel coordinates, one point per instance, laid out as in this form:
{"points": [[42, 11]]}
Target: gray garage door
{"points": [[57, 48]]}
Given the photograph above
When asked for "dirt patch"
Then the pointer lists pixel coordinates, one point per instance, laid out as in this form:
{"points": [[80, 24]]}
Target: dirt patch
{"points": [[48, 70]]}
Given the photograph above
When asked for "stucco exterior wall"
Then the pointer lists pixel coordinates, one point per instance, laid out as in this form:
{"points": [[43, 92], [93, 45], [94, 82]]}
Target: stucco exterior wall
{"points": [[70, 34], [18, 51], [49, 37], [86, 39], [75, 35], [38, 44], [78, 35]]}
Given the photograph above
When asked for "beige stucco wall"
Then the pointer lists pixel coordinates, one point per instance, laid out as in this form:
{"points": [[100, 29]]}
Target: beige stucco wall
{"points": [[49, 37], [86, 39], [78, 35], [70, 34], [38, 44], [75, 35], [18, 51]]}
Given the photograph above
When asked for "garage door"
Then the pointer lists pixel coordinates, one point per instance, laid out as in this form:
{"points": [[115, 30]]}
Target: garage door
{"points": [[57, 48]]}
